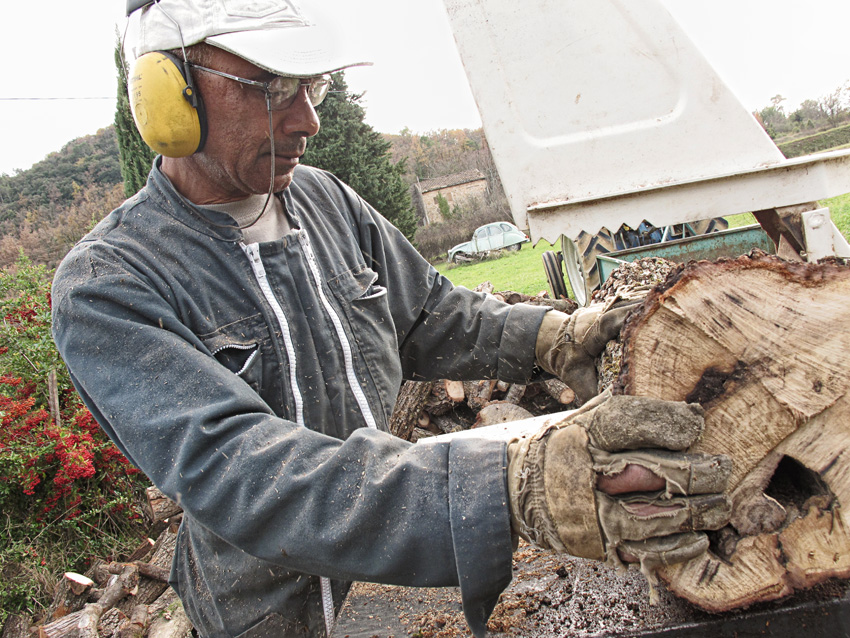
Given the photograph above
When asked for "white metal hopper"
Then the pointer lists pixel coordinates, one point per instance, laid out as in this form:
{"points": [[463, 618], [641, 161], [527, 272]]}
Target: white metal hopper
{"points": [[603, 112]]}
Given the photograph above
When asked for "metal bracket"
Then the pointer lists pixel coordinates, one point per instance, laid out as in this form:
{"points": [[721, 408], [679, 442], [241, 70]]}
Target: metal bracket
{"points": [[822, 237]]}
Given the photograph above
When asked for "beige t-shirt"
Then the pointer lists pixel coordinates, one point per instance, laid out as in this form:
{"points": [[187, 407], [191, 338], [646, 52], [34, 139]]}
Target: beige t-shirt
{"points": [[271, 225]]}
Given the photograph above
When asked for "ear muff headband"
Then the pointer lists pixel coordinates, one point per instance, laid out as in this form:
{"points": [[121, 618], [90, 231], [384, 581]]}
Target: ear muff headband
{"points": [[161, 99]]}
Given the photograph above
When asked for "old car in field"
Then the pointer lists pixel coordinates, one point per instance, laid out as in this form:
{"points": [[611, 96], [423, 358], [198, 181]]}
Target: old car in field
{"points": [[495, 236]]}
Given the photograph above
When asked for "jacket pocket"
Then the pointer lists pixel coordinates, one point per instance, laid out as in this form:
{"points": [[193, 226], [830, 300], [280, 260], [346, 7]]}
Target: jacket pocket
{"points": [[365, 304], [238, 346], [366, 307]]}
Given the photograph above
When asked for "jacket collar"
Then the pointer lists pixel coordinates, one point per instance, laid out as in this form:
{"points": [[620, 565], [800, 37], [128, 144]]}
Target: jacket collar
{"points": [[208, 222]]}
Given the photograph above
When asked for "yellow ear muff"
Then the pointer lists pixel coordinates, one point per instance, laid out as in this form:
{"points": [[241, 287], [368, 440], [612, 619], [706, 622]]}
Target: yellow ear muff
{"points": [[160, 95]]}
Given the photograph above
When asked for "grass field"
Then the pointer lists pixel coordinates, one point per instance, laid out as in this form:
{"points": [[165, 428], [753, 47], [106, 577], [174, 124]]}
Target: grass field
{"points": [[523, 271]]}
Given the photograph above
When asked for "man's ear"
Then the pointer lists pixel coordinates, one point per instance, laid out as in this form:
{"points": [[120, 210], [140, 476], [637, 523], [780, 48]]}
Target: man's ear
{"points": [[167, 109]]}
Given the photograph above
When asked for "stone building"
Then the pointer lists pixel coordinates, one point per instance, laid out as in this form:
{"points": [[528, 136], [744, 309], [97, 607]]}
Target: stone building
{"points": [[455, 188]]}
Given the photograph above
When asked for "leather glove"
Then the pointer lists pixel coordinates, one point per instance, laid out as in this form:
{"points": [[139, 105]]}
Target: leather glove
{"points": [[567, 345], [555, 503]]}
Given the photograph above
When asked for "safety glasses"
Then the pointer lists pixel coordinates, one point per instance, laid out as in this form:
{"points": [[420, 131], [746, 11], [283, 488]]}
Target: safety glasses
{"points": [[281, 91]]}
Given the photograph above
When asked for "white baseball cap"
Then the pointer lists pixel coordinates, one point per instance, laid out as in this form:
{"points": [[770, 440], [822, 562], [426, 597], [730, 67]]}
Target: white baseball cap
{"points": [[276, 35]]}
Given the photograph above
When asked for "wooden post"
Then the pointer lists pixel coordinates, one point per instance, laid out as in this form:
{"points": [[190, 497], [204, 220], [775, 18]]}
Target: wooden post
{"points": [[53, 398]]}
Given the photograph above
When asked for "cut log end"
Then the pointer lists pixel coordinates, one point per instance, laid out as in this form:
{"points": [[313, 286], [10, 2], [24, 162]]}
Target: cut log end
{"points": [[763, 345]]}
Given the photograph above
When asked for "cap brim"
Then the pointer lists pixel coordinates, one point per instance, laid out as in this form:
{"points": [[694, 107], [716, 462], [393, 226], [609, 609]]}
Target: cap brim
{"points": [[300, 51]]}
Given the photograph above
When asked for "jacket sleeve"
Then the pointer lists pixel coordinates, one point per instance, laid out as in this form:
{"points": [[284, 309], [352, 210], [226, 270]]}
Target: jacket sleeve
{"points": [[444, 332], [432, 515]]}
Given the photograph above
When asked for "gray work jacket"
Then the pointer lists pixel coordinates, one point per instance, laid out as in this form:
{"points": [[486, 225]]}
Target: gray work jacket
{"points": [[253, 384]]}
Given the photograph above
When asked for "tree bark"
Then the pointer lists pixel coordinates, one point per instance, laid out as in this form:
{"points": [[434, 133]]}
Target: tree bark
{"points": [[15, 627], [439, 402], [408, 407], [478, 393], [764, 346], [515, 393], [161, 507], [134, 626]]}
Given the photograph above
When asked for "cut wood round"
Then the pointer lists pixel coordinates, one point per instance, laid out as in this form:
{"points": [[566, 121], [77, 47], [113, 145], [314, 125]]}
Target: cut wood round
{"points": [[500, 412], [455, 390], [764, 346], [71, 595], [560, 391]]}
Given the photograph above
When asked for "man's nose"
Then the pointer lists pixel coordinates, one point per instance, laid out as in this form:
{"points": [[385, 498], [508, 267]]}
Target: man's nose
{"points": [[300, 118]]}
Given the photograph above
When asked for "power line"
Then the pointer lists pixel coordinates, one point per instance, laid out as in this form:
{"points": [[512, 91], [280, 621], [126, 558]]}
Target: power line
{"points": [[10, 99]]}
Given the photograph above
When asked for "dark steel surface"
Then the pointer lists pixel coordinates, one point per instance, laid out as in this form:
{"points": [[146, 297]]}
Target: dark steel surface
{"points": [[812, 619], [555, 596]]}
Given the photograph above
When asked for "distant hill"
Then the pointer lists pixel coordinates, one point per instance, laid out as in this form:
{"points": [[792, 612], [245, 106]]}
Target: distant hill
{"points": [[45, 209], [52, 183], [832, 139]]}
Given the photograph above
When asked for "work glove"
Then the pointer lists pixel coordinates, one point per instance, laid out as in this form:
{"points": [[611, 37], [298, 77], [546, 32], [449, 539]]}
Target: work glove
{"points": [[567, 345], [555, 503]]}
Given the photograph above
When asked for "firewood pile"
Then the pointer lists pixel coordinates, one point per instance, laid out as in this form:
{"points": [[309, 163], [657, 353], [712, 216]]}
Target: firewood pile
{"points": [[128, 599], [431, 408]]}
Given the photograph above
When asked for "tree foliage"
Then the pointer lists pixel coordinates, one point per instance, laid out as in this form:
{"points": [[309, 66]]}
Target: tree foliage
{"points": [[357, 154], [42, 192], [828, 111], [136, 156]]}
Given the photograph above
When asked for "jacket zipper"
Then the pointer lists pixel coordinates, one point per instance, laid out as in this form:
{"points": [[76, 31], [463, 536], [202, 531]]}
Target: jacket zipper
{"points": [[359, 395], [253, 253]]}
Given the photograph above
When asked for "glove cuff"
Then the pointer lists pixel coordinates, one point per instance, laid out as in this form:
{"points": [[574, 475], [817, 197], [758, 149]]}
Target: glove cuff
{"points": [[551, 479], [547, 335]]}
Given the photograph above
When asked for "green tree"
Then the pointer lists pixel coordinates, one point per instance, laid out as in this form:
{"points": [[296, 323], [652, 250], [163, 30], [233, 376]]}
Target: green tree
{"points": [[774, 119], [357, 154], [445, 209], [136, 156]]}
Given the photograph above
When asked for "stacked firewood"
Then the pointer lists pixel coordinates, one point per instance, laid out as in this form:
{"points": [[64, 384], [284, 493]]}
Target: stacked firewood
{"points": [[430, 408], [129, 599]]}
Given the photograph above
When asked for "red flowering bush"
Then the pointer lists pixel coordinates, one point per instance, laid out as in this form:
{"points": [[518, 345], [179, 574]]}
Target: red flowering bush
{"points": [[66, 492]]}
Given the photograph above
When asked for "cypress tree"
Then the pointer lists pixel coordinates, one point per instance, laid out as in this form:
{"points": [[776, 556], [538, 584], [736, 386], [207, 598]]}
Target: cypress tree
{"points": [[136, 156], [353, 151]]}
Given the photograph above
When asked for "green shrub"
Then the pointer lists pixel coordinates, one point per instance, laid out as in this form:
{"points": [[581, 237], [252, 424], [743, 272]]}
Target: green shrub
{"points": [[66, 492], [831, 139]]}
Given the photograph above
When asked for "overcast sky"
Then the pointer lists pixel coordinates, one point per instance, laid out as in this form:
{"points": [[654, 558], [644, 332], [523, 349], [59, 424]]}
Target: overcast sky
{"points": [[62, 49]]}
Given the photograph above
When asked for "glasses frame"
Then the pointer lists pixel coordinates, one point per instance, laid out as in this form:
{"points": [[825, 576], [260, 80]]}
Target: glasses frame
{"points": [[273, 104]]}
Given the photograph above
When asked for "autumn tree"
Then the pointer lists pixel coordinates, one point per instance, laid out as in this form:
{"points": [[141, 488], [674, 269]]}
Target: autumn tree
{"points": [[357, 154], [836, 104]]}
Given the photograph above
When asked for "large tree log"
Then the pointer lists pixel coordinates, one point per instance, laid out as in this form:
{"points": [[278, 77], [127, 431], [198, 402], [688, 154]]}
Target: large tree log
{"points": [[169, 618], [15, 627], [764, 346]]}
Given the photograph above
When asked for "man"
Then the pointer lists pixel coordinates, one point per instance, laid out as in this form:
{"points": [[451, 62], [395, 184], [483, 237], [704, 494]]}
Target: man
{"points": [[240, 329]]}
